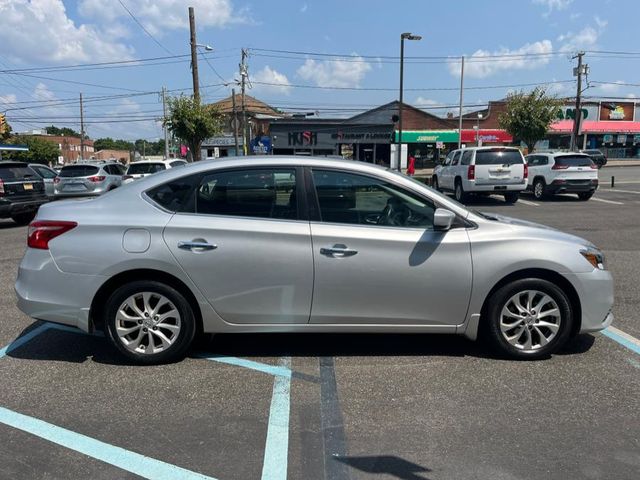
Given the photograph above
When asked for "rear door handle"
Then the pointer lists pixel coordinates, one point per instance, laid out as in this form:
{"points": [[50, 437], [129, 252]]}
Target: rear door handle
{"points": [[197, 246], [338, 251]]}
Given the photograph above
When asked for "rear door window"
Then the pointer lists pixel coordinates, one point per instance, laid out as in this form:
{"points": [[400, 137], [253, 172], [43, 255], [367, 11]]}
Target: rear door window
{"points": [[78, 171], [15, 171], [499, 157], [574, 161], [466, 157], [145, 168], [456, 159], [45, 172]]}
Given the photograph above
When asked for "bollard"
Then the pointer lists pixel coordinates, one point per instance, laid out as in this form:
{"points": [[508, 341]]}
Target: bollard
{"points": [[613, 181]]}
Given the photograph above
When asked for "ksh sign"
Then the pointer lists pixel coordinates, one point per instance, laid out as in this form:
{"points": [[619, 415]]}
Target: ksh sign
{"points": [[303, 138]]}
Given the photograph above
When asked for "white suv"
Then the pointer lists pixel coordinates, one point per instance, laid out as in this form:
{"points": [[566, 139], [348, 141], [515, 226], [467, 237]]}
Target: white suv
{"points": [[482, 170], [562, 172], [144, 168]]}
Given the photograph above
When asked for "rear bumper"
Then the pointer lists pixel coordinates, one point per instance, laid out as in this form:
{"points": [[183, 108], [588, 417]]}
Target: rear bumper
{"points": [[568, 188], [9, 208], [595, 290], [46, 293], [472, 187]]}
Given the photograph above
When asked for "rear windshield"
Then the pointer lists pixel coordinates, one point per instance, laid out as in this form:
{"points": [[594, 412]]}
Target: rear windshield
{"points": [[574, 160], [498, 157], [78, 171], [15, 172], [140, 168]]}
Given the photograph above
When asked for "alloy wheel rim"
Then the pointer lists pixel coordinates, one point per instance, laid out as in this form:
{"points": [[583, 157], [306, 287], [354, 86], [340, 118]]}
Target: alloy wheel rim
{"points": [[148, 323], [538, 190], [530, 320], [458, 192]]}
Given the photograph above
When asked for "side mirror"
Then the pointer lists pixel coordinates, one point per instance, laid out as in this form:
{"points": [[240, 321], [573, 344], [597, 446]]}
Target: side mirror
{"points": [[443, 219]]}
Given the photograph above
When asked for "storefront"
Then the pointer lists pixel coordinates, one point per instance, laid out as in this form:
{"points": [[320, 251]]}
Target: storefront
{"points": [[364, 142], [471, 138], [428, 146], [221, 146]]}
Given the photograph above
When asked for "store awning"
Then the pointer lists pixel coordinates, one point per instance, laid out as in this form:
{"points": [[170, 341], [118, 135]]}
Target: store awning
{"points": [[427, 136], [592, 126], [486, 136]]}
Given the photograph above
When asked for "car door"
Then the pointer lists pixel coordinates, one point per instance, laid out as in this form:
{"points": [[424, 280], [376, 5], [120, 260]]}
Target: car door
{"points": [[378, 259], [244, 241], [449, 169]]}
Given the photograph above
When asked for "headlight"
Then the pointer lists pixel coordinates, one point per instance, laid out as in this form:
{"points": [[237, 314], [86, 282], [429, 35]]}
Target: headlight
{"points": [[594, 256]]}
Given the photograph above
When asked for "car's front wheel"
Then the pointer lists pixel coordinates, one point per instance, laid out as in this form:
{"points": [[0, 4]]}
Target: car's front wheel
{"points": [[539, 189], [434, 184], [528, 319], [458, 192], [585, 195], [149, 322]]}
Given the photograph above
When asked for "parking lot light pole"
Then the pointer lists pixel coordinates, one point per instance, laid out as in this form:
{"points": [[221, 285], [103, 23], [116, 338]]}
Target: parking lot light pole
{"points": [[403, 37], [478, 130]]}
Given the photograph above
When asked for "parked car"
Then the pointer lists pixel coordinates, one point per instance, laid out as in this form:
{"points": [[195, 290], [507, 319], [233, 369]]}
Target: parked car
{"points": [[21, 192], [353, 248], [562, 172], [47, 175], [597, 156], [482, 170], [87, 179], [145, 168]]}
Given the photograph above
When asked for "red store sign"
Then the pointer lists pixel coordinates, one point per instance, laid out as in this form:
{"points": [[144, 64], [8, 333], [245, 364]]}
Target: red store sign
{"points": [[487, 136]]}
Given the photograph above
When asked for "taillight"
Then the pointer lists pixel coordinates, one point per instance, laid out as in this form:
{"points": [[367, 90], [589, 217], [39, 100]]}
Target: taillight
{"points": [[56, 180], [593, 166], [525, 175], [43, 231], [97, 178], [471, 172], [1, 187], [559, 166]]}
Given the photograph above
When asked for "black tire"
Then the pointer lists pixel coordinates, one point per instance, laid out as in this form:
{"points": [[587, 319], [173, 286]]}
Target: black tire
{"points": [[458, 191], [178, 349], [434, 184], [539, 189], [511, 197], [500, 298], [24, 218], [584, 196]]}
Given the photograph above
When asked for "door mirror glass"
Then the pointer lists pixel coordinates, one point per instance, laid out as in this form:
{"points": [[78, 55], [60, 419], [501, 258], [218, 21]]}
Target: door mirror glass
{"points": [[443, 219]]}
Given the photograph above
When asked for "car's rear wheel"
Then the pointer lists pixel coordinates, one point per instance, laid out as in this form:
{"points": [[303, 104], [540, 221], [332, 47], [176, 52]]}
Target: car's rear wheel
{"points": [[458, 192], [539, 189], [24, 218], [511, 197], [528, 319], [585, 195], [149, 322], [434, 184]]}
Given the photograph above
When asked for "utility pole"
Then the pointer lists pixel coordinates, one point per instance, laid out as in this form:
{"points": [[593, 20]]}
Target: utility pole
{"points": [[81, 130], [235, 120], [243, 78], [164, 123], [194, 57], [578, 72], [144, 149], [460, 109]]}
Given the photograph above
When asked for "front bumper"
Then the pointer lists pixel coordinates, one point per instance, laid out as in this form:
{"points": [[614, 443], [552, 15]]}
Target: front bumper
{"points": [[595, 290], [46, 293]]}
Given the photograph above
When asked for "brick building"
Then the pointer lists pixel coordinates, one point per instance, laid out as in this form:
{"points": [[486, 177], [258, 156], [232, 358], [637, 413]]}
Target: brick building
{"points": [[122, 156], [69, 146]]}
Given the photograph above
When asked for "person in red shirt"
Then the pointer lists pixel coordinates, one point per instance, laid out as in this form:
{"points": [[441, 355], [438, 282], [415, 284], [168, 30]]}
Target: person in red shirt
{"points": [[411, 168]]}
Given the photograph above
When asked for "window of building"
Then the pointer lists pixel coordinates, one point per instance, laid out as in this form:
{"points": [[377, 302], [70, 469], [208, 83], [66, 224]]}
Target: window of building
{"points": [[358, 199]]}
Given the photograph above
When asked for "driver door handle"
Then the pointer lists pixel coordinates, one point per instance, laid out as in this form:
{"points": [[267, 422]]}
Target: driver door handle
{"points": [[197, 246], [338, 251]]}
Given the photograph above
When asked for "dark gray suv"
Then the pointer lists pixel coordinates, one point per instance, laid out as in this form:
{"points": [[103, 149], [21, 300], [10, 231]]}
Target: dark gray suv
{"points": [[21, 192]]}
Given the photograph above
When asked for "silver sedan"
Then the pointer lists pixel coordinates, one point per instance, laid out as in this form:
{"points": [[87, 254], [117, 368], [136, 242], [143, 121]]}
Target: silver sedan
{"points": [[284, 244]]}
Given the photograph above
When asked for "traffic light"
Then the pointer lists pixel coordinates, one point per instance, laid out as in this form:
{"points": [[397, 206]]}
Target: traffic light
{"points": [[3, 124]]}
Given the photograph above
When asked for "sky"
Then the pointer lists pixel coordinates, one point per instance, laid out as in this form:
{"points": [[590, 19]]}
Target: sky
{"points": [[335, 58]]}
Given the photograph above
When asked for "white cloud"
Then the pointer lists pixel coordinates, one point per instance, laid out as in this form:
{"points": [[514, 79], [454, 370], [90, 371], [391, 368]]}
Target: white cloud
{"points": [[426, 102], [342, 73], [8, 99], [613, 87], [584, 39], [160, 15], [553, 4], [560, 89], [279, 81], [304, 8], [41, 31], [481, 64]]}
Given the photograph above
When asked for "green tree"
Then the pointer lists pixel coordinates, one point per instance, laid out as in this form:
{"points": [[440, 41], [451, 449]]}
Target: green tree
{"points": [[40, 150], [66, 131], [528, 115], [192, 122], [108, 143]]}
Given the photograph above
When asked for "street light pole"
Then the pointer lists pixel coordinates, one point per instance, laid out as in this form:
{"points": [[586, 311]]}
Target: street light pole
{"points": [[403, 37], [478, 130]]}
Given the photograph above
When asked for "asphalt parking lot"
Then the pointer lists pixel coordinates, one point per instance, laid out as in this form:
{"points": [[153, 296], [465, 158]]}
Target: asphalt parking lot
{"points": [[335, 406]]}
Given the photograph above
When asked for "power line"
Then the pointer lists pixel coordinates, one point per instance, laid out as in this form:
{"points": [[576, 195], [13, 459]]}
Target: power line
{"points": [[144, 29]]}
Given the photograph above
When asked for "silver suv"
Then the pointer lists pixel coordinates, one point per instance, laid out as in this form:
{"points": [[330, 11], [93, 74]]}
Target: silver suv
{"points": [[88, 179]]}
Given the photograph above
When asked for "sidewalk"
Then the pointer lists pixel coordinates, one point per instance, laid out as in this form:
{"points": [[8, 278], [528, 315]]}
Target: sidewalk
{"points": [[625, 162]]}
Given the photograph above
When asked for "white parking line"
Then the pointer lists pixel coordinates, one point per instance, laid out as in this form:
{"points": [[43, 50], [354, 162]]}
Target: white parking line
{"points": [[606, 201], [527, 202], [614, 190]]}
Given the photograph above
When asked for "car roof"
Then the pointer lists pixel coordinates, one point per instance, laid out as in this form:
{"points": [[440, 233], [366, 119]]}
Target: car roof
{"points": [[157, 161], [12, 163]]}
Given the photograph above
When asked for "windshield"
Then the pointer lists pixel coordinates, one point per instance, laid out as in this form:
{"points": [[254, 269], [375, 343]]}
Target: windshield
{"points": [[144, 168], [78, 171], [498, 157], [574, 161]]}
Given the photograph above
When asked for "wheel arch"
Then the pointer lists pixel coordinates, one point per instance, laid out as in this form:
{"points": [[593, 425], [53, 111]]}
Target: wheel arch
{"points": [[542, 274], [96, 319]]}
